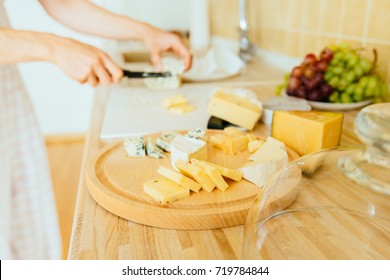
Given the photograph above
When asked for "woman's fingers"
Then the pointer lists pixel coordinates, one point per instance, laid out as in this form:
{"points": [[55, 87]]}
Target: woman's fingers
{"points": [[115, 72], [92, 79]]}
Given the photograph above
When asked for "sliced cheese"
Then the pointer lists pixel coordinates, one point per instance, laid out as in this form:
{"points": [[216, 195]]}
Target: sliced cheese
{"points": [[196, 173], [263, 168], [179, 179], [174, 100], [182, 108], [213, 173], [307, 132], [234, 109], [270, 144], [184, 149], [165, 190], [134, 146], [235, 175]]}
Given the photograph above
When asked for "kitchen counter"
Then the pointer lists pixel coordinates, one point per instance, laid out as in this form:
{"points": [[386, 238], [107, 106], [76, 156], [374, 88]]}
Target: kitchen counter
{"points": [[98, 234]]}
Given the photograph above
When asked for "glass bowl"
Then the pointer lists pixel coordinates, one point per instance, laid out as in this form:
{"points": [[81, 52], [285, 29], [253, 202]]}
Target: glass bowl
{"points": [[334, 204]]}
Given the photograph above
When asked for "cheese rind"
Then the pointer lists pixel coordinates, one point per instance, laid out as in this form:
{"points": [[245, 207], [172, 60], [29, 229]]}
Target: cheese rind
{"points": [[307, 132], [179, 179], [271, 159], [165, 190], [184, 148], [234, 109], [196, 173], [235, 175]]}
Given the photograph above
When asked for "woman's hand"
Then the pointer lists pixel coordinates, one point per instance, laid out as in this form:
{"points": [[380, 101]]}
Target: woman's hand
{"points": [[84, 63], [158, 42]]}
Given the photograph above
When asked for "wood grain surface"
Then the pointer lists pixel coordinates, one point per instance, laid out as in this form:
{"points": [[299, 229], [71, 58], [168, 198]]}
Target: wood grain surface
{"points": [[115, 181], [99, 234]]}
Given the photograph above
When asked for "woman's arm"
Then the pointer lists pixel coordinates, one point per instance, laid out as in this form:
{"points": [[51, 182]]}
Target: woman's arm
{"points": [[88, 18], [79, 61]]}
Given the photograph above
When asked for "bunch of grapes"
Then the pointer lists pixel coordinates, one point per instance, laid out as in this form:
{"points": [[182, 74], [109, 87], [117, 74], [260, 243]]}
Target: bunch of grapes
{"points": [[308, 79], [352, 76], [340, 74]]}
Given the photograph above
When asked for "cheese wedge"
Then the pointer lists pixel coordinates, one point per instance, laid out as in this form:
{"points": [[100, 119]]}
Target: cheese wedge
{"points": [[134, 146], [234, 109], [235, 175], [196, 173], [213, 173], [179, 179], [270, 144], [307, 132], [263, 168], [165, 190]]}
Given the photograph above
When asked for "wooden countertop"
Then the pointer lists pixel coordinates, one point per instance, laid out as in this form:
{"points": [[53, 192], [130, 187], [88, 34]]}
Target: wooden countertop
{"points": [[98, 234]]}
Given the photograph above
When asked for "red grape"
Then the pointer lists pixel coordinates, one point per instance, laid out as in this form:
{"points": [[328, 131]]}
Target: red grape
{"points": [[310, 59], [326, 55], [293, 83], [297, 72]]}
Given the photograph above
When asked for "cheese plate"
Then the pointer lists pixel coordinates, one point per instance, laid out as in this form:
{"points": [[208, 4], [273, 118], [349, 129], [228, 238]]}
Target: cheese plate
{"points": [[115, 181]]}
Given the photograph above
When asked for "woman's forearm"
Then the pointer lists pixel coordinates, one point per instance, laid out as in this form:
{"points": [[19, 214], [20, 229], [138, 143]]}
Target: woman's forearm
{"points": [[20, 46], [88, 18]]}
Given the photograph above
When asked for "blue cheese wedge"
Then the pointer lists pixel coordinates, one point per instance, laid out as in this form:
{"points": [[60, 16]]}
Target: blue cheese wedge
{"points": [[152, 150], [197, 133], [134, 146], [165, 139]]}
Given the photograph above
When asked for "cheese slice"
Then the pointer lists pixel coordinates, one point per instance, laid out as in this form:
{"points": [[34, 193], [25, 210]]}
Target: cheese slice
{"points": [[196, 173], [234, 109], [184, 149], [174, 100], [263, 168], [134, 146], [182, 108], [165, 190], [179, 179], [235, 175], [213, 173], [307, 132]]}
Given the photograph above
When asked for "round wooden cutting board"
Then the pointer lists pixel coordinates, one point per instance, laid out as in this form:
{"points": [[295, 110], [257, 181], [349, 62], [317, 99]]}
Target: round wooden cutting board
{"points": [[115, 181]]}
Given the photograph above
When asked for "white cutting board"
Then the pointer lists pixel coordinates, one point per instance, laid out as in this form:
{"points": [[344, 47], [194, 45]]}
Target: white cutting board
{"points": [[138, 110]]}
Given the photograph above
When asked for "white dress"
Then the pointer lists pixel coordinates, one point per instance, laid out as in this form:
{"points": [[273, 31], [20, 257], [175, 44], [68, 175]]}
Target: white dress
{"points": [[28, 217]]}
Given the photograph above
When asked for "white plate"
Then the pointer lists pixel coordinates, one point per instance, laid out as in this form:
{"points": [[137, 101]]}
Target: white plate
{"points": [[327, 106], [217, 64], [338, 106]]}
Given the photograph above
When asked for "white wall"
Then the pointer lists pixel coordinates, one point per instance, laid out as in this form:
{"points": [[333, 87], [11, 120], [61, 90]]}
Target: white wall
{"points": [[61, 104]]}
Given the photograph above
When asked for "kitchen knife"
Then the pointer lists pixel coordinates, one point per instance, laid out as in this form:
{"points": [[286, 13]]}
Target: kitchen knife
{"points": [[136, 74]]}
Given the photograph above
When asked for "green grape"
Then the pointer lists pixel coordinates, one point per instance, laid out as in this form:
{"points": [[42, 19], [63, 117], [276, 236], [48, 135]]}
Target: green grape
{"points": [[352, 59], [363, 82], [328, 75], [350, 90], [334, 97], [337, 70], [345, 98], [371, 89], [358, 71], [349, 76], [359, 90], [365, 65], [334, 82], [344, 46]]}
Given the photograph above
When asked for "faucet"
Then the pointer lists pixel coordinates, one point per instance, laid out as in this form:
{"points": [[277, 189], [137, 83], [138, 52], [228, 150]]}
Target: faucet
{"points": [[246, 50]]}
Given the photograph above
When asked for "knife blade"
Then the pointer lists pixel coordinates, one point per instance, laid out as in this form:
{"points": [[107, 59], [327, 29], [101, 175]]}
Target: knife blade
{"points": [[142, 75]]}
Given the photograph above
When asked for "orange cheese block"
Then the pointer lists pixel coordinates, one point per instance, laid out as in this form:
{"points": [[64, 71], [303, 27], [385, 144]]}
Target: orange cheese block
{"points": [[307, 132]]}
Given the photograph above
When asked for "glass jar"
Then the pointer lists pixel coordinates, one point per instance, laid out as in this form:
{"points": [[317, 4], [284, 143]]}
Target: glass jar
{"points": [[334, 204]]}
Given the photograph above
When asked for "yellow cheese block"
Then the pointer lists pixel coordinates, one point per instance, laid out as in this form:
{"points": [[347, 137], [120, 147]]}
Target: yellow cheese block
{"points": [[230, 144], [196, 173], [179, 179], [213, 173], [307, 132], [234, 109], [235, 175], [165, 190]]}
